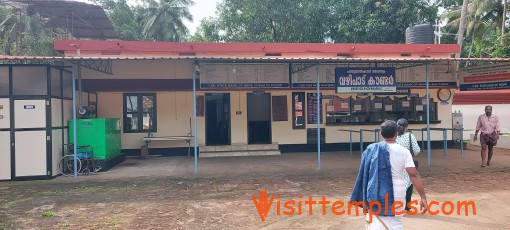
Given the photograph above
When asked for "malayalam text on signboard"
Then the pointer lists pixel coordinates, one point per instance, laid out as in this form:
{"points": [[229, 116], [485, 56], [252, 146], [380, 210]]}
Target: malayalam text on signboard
{"points": [[363, 79], [304, 75]]}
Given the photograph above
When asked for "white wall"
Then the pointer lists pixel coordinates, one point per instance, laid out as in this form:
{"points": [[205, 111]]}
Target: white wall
{"points": [[175, 109], [470, 115]]}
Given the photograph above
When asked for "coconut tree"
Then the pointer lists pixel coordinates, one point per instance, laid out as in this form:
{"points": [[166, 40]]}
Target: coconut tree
{"points": [[474, 19], [462, 25], [503, 23], [163, 20]]}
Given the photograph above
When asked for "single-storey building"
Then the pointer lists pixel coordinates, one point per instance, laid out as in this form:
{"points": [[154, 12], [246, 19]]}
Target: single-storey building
{"points": [[246, 99]]}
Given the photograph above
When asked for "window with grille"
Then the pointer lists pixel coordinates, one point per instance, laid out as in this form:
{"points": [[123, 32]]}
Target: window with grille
{"points": [[140, 112]]}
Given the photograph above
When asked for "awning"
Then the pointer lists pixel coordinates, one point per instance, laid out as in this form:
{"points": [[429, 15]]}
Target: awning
{"points": [[501, 96], [240, 59]]}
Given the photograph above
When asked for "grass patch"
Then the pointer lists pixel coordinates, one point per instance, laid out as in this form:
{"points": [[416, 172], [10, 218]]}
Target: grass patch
{"points": [[123, 188], [120, 215], [48, 214], [88, 189], [55, 193], [10, 204], [100, 188], [93, 189], [115, 223]]}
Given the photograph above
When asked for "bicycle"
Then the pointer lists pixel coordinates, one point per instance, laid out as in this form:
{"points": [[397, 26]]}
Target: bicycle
{"points": [[85, 162]]}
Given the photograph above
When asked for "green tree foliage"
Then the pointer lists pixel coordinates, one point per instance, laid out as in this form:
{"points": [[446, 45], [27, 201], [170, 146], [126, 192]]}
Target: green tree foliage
{"points": [[153, 20], [268, 21], [163, 19], [488, 46], [481, 14], [316, 21], [365, 21], [483, 28], [447, 4], [208, 31], [124, 18], [24, 34]]}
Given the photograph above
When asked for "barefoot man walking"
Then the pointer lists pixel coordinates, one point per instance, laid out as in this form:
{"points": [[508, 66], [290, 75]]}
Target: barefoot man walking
{"points": [[489, 127]]}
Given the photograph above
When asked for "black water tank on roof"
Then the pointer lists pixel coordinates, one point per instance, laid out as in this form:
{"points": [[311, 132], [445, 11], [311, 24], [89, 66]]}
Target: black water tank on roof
{"points": [[420, 34]]}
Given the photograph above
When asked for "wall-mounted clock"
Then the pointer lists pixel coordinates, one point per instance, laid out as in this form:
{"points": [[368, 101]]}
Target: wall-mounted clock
{"points": [[444, 94]]}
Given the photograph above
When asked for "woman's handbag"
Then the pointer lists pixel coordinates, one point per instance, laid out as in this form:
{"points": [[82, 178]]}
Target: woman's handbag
{"points": [[416, 163]]}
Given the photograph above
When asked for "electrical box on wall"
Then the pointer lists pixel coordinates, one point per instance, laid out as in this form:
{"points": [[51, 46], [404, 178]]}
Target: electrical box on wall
{"points": [[457, 125]]}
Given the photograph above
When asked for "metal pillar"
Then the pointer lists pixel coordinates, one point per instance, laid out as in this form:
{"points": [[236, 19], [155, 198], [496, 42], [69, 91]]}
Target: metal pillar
{"points": [[75, 147], [428, 113], [318, 117], [195, 116]]}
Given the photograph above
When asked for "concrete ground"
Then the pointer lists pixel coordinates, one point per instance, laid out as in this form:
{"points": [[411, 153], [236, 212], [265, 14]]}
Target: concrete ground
{"points": [[287, 163]]}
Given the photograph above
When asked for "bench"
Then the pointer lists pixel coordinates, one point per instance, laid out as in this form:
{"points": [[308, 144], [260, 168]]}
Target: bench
{"points": [[144, 151]]}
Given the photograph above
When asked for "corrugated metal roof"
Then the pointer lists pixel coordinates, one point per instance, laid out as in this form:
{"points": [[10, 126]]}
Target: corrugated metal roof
{"points": [[233, 59], [254, 48]]}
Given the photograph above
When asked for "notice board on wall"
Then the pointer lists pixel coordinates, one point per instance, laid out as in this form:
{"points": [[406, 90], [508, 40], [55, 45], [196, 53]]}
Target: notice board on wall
{"points": [[311, 135], [312, 104], [200, 106], [298, 110], [279, 105]]}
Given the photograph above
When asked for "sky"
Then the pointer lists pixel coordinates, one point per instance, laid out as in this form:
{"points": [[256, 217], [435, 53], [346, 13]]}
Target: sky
{"points": [[201, 9]]}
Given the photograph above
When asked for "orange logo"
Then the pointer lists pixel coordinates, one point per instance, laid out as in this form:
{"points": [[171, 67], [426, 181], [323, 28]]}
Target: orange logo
{"points": [[263, 204]]}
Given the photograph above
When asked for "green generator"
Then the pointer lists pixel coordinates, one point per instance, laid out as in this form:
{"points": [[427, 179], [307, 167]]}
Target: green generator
{"points": [[102, 134]]}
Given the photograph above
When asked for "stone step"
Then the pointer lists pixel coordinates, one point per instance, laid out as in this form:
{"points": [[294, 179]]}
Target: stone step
{"points": [[240, 148], [240, 153]]}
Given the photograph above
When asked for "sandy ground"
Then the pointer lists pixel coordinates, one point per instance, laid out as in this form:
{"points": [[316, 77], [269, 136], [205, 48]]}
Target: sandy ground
{"points": [[131, 196]]}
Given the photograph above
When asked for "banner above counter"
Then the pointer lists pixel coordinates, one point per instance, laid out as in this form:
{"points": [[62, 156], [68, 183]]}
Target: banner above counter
{"points": [[304, 75], [231, 76], [487, 77]]}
